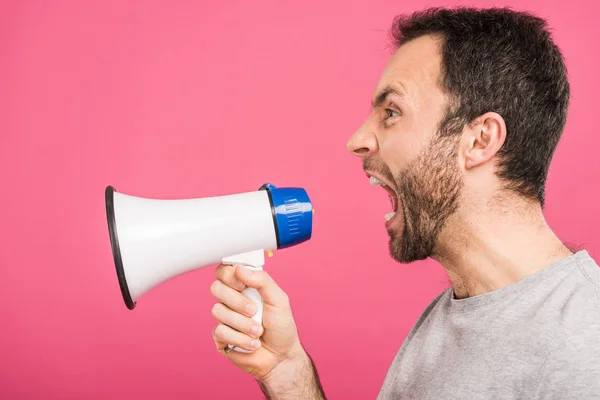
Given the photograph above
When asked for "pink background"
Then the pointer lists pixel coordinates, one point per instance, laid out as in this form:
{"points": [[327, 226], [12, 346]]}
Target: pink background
{"points": [[189, 99]]}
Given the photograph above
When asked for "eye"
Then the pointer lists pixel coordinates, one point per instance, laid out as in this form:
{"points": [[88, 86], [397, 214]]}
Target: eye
{"points": [[391, 113]]}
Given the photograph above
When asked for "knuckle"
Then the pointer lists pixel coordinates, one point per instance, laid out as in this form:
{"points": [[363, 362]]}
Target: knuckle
{"points": [[227, 271], [261, 276], [222, 270], [219, 331], [267, 280], [255, 335], [216, 309], [219, 269], [214, 288]]}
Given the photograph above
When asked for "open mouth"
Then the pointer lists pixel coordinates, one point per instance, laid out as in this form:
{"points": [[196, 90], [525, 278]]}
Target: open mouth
{"points": [[377, 181]]}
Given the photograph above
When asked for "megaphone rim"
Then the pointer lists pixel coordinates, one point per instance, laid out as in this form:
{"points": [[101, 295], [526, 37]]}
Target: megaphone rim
{"points": [[116, 250]]}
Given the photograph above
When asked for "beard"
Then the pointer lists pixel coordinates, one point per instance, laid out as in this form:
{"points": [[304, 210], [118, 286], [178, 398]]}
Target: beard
{"points": [[428, 190]]}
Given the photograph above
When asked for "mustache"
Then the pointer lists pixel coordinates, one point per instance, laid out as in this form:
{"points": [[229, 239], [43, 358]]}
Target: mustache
{"points": [[374, 165]]}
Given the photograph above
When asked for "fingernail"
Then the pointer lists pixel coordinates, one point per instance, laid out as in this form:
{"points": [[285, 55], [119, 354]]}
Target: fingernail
{"points": [[250, 309], [245, 271], [255, 344], [255, 330]]}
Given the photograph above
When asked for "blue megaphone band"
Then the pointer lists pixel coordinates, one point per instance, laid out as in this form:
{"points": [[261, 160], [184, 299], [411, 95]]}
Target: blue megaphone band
{"points": [[292, 214]]}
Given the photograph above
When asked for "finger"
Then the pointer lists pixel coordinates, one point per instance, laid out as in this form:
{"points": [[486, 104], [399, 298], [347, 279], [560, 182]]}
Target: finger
{"points": [[270, 292], [233, 299], [226, 274], [224, 335], [236, 321], [222, 347]]}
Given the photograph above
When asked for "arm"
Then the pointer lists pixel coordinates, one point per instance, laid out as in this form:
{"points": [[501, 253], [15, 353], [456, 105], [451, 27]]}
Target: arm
{"points": [[281, 366], [294, 379]]}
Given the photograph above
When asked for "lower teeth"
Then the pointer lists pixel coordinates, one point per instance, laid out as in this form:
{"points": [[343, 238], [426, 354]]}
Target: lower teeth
{"points": [[389, 216]]}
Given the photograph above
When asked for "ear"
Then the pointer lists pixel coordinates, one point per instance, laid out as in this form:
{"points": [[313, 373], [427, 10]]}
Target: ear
{"points": [[482, 139]]}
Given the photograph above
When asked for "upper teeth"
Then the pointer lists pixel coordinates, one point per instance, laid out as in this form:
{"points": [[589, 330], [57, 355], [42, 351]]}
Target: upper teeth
{"points": [[376, 182], [389, 216]]}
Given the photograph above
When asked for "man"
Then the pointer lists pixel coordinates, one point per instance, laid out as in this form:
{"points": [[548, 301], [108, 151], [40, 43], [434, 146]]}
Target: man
{"points": [[465, 120]]}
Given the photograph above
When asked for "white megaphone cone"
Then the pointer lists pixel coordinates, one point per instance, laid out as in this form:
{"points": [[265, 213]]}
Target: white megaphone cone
{"points": [[156, 240]]}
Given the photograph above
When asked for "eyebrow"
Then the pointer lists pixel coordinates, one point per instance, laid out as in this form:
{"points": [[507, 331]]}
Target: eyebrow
{"points": [[383, 95]]}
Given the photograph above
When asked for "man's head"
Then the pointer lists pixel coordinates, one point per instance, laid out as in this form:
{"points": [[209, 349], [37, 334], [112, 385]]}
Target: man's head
{"points": [[471, 101]]}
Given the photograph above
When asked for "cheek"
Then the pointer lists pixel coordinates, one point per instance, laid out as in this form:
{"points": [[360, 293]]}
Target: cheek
{"points": [[399, 150]]}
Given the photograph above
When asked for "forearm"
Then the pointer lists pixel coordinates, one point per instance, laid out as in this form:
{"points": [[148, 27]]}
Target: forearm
{"points": [[294, 380]]}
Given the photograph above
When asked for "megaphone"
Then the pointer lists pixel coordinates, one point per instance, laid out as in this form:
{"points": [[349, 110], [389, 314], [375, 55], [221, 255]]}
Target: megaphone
{"points": [[154, 240]]}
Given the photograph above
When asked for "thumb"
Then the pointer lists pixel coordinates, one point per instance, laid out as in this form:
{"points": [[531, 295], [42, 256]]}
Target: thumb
{"points": [[271, 293]]}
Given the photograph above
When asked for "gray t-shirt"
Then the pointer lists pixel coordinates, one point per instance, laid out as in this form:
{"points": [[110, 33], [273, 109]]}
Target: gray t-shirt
{"points": [[538, 338]]}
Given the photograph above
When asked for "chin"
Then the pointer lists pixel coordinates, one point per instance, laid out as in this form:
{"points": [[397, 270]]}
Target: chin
{"points": [[407, 249]]}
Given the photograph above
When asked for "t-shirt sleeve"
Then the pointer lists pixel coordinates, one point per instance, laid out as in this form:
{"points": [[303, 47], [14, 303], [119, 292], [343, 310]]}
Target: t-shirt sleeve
{"points": [[573, 369]]}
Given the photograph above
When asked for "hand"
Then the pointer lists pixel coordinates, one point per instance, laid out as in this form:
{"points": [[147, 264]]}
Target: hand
{"points": [[275, 343]]}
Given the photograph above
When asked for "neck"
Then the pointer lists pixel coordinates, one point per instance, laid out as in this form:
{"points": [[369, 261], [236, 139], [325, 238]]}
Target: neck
{"points": [[490, 248]]}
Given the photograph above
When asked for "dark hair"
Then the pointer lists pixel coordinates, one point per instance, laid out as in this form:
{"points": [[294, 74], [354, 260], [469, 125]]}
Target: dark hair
{"points": [[503, 61]]}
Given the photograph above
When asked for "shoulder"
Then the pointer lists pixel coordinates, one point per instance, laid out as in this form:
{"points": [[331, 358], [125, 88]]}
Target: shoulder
{"points": [[573, 308], [590, 271], [572, 367], [422, 320], [580, 296], [440, 298]]}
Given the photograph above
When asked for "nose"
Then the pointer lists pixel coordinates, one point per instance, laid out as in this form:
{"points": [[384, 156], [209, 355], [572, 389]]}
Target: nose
{"points": [[363, 142]]}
